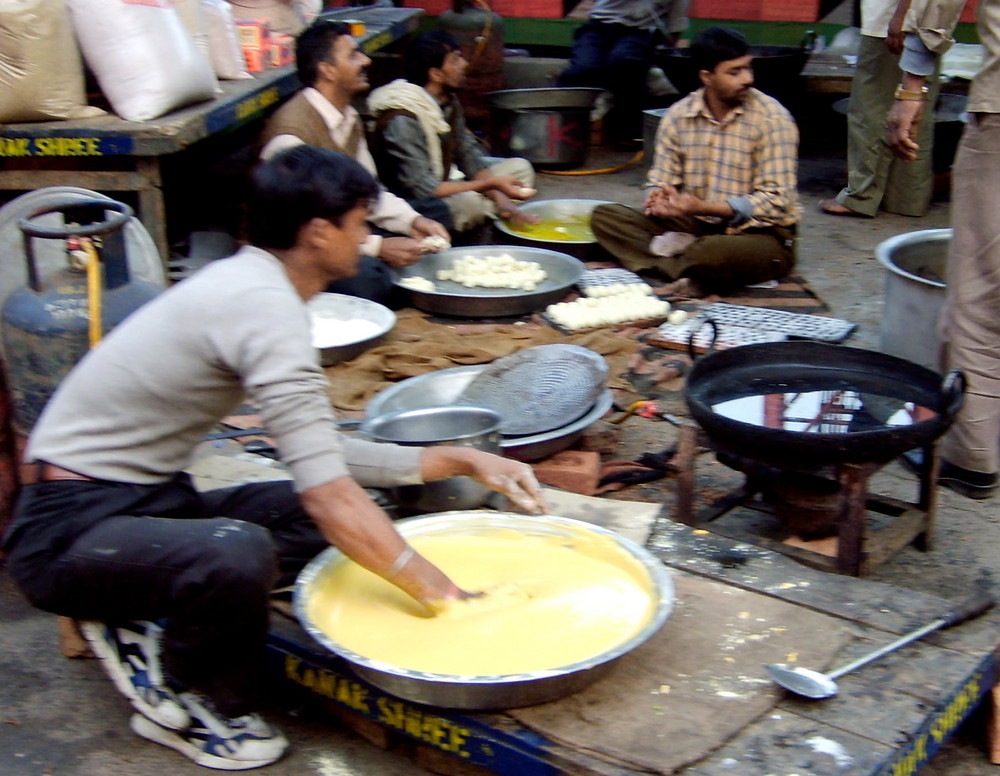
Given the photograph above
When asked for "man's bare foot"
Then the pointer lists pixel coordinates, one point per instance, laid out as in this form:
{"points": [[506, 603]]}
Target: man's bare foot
{"points": [[833, 208], [684, 287]]}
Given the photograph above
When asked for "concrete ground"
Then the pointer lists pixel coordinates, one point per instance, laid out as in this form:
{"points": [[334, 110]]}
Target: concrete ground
{"points": [[61, 717]]}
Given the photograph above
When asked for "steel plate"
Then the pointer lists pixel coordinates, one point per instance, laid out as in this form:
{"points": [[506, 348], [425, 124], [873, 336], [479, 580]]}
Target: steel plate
{"points": [[446, 385], [450, 298]]}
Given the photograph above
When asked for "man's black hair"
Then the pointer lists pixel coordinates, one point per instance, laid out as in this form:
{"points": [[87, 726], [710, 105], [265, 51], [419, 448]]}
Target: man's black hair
{"points": [[717, 44], [427, 51], [300, 184], [314, 45]]}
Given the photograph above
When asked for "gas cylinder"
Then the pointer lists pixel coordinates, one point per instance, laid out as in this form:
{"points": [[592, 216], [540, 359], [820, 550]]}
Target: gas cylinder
{"points": [[479, 34], [47, 326]]}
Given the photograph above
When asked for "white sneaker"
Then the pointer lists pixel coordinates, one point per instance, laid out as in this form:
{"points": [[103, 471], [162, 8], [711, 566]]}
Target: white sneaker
{"points": [[215, 741], [130, 655]]}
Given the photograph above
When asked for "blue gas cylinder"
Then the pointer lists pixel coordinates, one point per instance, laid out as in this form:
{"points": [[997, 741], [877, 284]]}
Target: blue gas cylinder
{"points": [[46, 324]]}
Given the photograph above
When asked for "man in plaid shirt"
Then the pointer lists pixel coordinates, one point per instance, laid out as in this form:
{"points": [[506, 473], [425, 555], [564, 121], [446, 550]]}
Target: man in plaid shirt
{"points": [[721, 206]]}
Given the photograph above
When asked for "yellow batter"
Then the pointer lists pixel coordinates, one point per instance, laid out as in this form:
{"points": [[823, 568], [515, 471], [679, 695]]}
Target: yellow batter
{"points": [[567, 229], [546, 605]]}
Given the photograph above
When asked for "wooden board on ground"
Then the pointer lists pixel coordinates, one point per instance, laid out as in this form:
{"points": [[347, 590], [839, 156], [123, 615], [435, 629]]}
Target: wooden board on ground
{"points": [[889, 718]]}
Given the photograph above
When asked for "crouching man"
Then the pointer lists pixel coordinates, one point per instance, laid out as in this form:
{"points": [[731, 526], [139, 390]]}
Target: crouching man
{"points": [[109, 530]]}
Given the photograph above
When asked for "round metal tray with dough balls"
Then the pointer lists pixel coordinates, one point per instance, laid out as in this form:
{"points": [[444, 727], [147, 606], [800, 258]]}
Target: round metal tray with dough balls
{"points": [[449, 298]]}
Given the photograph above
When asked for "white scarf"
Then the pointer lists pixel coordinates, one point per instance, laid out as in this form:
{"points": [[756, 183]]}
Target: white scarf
{"points": [[403, 95]]}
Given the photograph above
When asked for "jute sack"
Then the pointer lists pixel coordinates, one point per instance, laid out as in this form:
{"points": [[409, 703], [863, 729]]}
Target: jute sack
{"points": [[41, 75]]}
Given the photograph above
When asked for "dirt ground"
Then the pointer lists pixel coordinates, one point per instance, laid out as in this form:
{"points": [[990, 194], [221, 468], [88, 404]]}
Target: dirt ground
{"points": [[61, 717]]}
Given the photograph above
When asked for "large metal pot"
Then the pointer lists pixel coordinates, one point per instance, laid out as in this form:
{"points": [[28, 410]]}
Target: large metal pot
{"points": [[548, 127], [777, 70], [741, 397], [500, 691], [916, 264]]}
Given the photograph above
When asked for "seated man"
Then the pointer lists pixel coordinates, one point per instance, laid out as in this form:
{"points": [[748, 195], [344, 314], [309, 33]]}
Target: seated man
{"points": [[721, 206], [174, 583], [613, 50], [332, 69], [420, 138]]}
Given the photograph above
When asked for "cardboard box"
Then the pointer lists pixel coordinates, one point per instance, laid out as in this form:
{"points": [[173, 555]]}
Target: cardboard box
{"points": [[255, 59], [253, 35], [281, 50]]}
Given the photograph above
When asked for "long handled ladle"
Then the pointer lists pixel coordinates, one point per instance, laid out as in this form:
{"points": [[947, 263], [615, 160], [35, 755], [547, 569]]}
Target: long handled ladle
{"points": [[813, 684]]}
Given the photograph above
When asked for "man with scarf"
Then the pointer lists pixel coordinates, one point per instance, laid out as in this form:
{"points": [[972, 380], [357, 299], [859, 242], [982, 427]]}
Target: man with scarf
{"points": [[421, 141]]}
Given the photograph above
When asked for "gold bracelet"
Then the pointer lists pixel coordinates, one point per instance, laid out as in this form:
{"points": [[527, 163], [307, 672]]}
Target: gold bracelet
{"points": [[400, 563], [911, 95]]}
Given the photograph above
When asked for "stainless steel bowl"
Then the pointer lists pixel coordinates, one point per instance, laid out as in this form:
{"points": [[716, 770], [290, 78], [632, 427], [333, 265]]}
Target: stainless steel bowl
{"points": [[443, 388], [346, 308], [498, 691], [554, 209], [449, 298]]}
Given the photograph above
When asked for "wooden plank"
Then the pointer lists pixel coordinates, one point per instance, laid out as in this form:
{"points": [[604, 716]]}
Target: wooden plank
{"points": [[865, 602]]}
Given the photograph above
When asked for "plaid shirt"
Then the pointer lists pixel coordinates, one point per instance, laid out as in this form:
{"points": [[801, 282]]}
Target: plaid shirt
{"points": [[751, 155]]}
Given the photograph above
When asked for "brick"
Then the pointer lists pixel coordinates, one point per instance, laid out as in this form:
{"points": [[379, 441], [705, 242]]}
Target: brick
{"points": [[574, 470]]}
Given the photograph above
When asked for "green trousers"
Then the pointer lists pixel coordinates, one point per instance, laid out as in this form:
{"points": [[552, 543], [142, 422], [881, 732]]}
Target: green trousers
{"points": [[876, 178], [716, 261]]}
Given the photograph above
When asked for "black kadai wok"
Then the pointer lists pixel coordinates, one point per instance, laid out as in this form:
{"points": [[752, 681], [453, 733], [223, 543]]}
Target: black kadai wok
{"points": [[803, 405]]}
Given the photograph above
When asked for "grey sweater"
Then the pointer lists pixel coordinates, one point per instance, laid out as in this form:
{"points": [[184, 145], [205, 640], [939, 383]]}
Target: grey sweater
{"points": [[136, 406]]}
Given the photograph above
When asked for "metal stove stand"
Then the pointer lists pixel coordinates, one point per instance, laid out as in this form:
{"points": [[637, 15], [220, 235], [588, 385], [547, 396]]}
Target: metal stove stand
{"points": [[861, 545]]}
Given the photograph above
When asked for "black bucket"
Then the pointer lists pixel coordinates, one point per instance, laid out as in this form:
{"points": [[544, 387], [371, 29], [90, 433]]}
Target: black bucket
{"points": [[548, 127]]}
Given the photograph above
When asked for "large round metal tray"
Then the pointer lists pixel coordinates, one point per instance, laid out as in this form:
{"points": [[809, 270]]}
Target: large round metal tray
{"points": [[554, 209], [498, 691], [450, 298], [444, 387]]}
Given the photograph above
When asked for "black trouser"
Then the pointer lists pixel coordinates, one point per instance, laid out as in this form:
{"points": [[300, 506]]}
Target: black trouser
{"points": [[205, 563]]}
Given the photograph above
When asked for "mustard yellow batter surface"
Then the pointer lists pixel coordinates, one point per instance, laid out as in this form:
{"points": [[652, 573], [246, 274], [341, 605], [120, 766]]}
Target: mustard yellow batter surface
{"points": [[567, 229], [545, 605]]}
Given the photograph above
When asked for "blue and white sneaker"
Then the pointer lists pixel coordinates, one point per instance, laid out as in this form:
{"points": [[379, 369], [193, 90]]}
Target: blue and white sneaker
{"points": [[215, 741], [130, 655]]}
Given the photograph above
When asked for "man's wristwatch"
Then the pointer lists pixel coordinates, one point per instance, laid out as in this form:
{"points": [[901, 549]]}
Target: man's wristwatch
{"points": [[909, 94]]}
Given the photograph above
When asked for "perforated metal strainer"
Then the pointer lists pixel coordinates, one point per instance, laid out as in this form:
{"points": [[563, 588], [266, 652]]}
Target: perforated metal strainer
{"points": [[540, 388]]}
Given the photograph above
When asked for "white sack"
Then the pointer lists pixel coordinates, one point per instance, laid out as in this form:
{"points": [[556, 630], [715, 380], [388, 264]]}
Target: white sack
{"points": [[145, 60], [41, 75], [224, 41]]}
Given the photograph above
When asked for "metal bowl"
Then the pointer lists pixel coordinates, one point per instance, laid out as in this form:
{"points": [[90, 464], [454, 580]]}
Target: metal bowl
{"points": [[554, 209], [450, 298], [443, 387], [346, 308], [496, 691]]}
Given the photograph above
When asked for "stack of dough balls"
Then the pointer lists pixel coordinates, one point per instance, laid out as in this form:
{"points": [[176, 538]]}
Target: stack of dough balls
{"points": [[501, 271], [612, 304]]}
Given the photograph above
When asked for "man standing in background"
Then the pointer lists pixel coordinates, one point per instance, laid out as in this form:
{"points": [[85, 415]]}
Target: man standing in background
{"points": [[614, 49], [875, 178], [970, 451]]}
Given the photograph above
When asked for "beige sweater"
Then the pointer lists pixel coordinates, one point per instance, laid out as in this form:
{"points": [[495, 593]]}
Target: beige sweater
{"points": [[136, 406]]}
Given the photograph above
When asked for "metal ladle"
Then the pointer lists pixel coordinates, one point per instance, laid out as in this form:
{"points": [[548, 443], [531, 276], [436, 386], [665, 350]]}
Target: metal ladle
{"points": [[813, 684]]}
